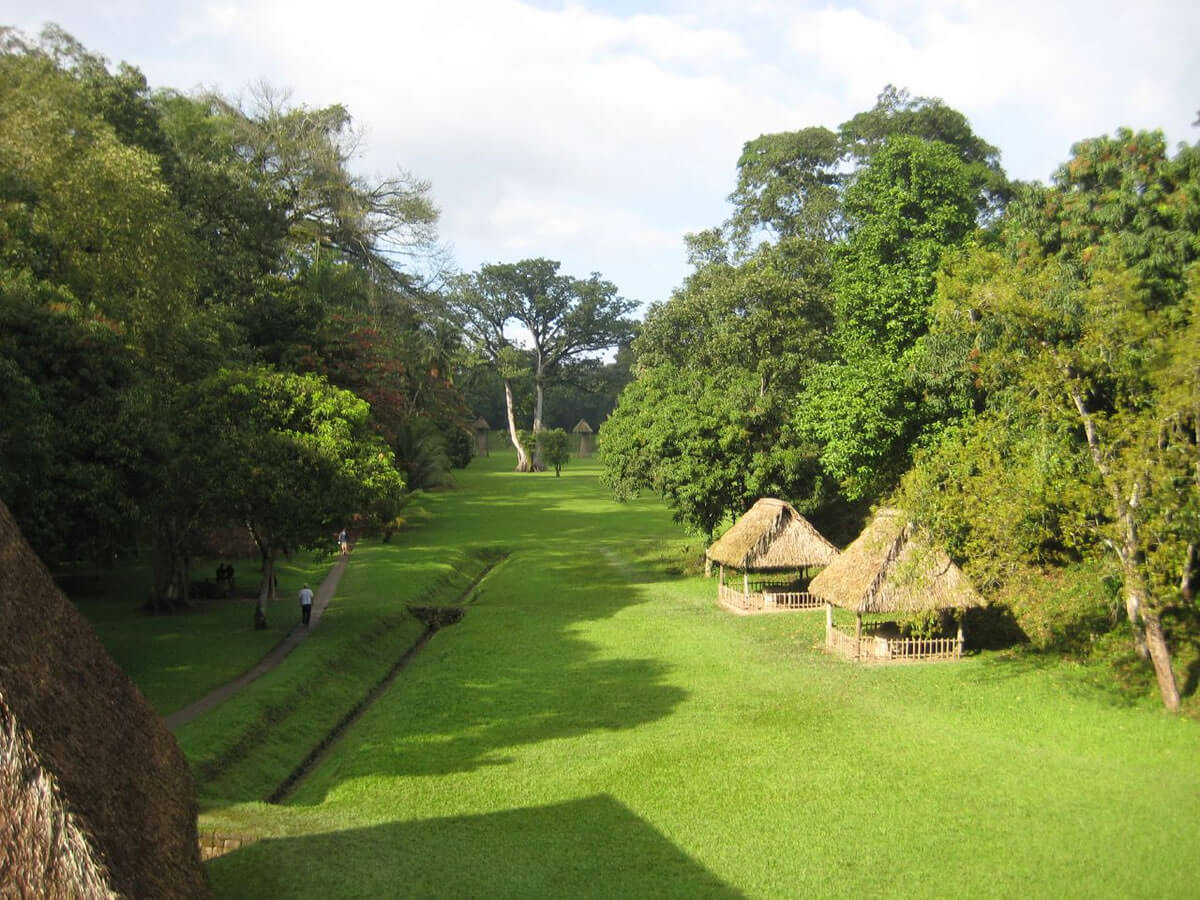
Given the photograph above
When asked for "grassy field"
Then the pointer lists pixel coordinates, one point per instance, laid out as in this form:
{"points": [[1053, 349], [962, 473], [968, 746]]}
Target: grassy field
{"points": [[596, 727], [176, 659]]}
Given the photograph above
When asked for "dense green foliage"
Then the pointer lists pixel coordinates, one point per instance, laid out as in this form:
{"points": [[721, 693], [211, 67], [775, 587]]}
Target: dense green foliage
{"points": [[1014, 364], [185, 284]]}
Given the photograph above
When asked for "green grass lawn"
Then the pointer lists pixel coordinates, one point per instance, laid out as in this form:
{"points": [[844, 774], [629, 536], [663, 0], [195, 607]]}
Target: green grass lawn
{"points": [[594, 727], [176, 659]]}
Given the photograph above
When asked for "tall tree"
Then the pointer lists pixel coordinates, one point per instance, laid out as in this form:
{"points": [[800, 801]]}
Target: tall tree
{"points": [[906, 209], [1086, 327], [562, 318], [706, 422]]}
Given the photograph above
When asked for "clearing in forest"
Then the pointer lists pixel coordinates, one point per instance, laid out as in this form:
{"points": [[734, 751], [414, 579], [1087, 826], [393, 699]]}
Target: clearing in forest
{"points": [[597, 727]]}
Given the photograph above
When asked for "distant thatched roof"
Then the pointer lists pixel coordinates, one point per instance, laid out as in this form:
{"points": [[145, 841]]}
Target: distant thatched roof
{"points": [[772, 535], [481, 424], [889, 568], [582, 427]]}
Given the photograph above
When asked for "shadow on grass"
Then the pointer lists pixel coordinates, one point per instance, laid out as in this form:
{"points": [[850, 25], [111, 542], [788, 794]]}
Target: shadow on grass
{"points": [[593, 847], [513, 673]]}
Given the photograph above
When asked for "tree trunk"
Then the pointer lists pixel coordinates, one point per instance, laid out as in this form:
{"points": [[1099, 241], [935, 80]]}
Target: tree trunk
{"points": [[266, 589], [1160, 655], [172, 569], [537, 464], [522, 457], [266, 586]]}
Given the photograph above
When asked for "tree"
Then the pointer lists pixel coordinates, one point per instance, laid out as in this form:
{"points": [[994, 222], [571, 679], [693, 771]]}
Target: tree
{"points": [[910, 205], [707, 421], [304, 154], [562, 317], [553, 444], [789, 183], [297, 460]]}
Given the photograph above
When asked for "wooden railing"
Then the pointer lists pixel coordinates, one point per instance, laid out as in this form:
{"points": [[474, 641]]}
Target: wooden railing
{"points": [[767, 601], [737, 599], [791, 600], [881, 649], [842, 643]]}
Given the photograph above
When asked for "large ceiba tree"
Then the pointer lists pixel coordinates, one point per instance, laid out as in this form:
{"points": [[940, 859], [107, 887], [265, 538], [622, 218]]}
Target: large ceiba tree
{"points": [[528, 310]]}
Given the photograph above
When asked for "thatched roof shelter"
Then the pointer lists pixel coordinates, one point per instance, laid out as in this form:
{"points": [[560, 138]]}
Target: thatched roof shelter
{"points": [[772, 535], [480, 428], [889, 568], [587, 438], [94, 758]]}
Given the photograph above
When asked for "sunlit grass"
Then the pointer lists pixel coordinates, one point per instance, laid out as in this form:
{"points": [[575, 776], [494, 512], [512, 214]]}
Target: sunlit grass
{"points": [[175, 659], [594, 727]]}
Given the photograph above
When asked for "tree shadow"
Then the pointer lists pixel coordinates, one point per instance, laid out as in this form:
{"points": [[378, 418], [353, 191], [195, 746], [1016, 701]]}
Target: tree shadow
{"points": [[513, 673], [592, 847]]}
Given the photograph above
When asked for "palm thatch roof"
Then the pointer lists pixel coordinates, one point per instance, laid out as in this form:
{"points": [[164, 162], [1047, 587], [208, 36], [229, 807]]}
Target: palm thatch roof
{"points": [[890, 568], [772, 535], [99, 751], [582, 427]]}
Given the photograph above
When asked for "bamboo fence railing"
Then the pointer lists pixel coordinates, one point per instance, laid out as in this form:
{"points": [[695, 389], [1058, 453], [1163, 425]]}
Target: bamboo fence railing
{"points": [[874, 648], [766, 601]]}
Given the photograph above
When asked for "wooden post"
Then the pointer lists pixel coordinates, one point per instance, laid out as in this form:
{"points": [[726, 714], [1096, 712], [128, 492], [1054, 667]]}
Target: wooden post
{"points": [[962, 613], [745, 588], [828, 623], [858, 635]]}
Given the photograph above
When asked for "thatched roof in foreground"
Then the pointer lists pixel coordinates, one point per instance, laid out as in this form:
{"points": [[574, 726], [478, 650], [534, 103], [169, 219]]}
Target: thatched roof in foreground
{"points": [[890, 568], [101, 752], [772, 535]]}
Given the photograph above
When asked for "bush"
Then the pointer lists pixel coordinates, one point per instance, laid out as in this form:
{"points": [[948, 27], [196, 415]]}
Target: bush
{"points": [[460, 446], [1065, 609]]}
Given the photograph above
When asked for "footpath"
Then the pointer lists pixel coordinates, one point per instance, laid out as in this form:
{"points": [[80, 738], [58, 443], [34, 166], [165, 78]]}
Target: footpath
{"points": [[277, 654]]}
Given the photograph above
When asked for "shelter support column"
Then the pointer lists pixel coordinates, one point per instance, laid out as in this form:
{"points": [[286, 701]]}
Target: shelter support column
{"points": [[828, 623], [858, 635], [958, 646]]}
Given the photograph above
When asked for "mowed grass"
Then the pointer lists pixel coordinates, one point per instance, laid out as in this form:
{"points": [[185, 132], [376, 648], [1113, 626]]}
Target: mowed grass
{"points": [[175, 659], [594, 727]]}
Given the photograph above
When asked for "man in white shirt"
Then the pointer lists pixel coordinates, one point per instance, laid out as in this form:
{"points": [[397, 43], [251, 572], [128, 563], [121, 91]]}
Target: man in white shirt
{"points": [[306, 598]]}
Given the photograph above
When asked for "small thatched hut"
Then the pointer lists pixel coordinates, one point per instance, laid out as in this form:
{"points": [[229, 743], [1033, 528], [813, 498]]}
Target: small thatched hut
{"points": [[480, 429], [774, 539], [95, 795], [587, 438], [890, 569]]}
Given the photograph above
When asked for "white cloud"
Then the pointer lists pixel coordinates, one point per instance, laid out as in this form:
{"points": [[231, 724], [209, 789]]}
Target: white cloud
{"points": [[599, 137]]}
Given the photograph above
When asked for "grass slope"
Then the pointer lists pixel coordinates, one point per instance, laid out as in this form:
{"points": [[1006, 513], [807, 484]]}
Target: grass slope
{"points": [[593, 728]]}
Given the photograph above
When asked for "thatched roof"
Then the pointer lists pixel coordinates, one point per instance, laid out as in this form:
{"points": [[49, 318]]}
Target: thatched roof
{"points": [[47, 853], [772, 535], [889, 568], [481, 424], [582, 427], [101, 751]]}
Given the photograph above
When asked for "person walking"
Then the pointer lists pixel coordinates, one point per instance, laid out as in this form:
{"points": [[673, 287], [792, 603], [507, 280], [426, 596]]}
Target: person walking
{"points": [[344, 541], [306, 598]]}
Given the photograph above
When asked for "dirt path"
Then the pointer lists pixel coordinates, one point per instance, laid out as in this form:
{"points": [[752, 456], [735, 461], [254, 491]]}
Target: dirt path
{"points": [[271, 660]]}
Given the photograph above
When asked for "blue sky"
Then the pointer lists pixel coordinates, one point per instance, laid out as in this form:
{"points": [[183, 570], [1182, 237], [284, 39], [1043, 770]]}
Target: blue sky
{"points": [[599, 134]]}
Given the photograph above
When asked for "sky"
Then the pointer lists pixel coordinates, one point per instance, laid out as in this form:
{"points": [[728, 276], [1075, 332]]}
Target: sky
{"points": [[600, 133]]}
